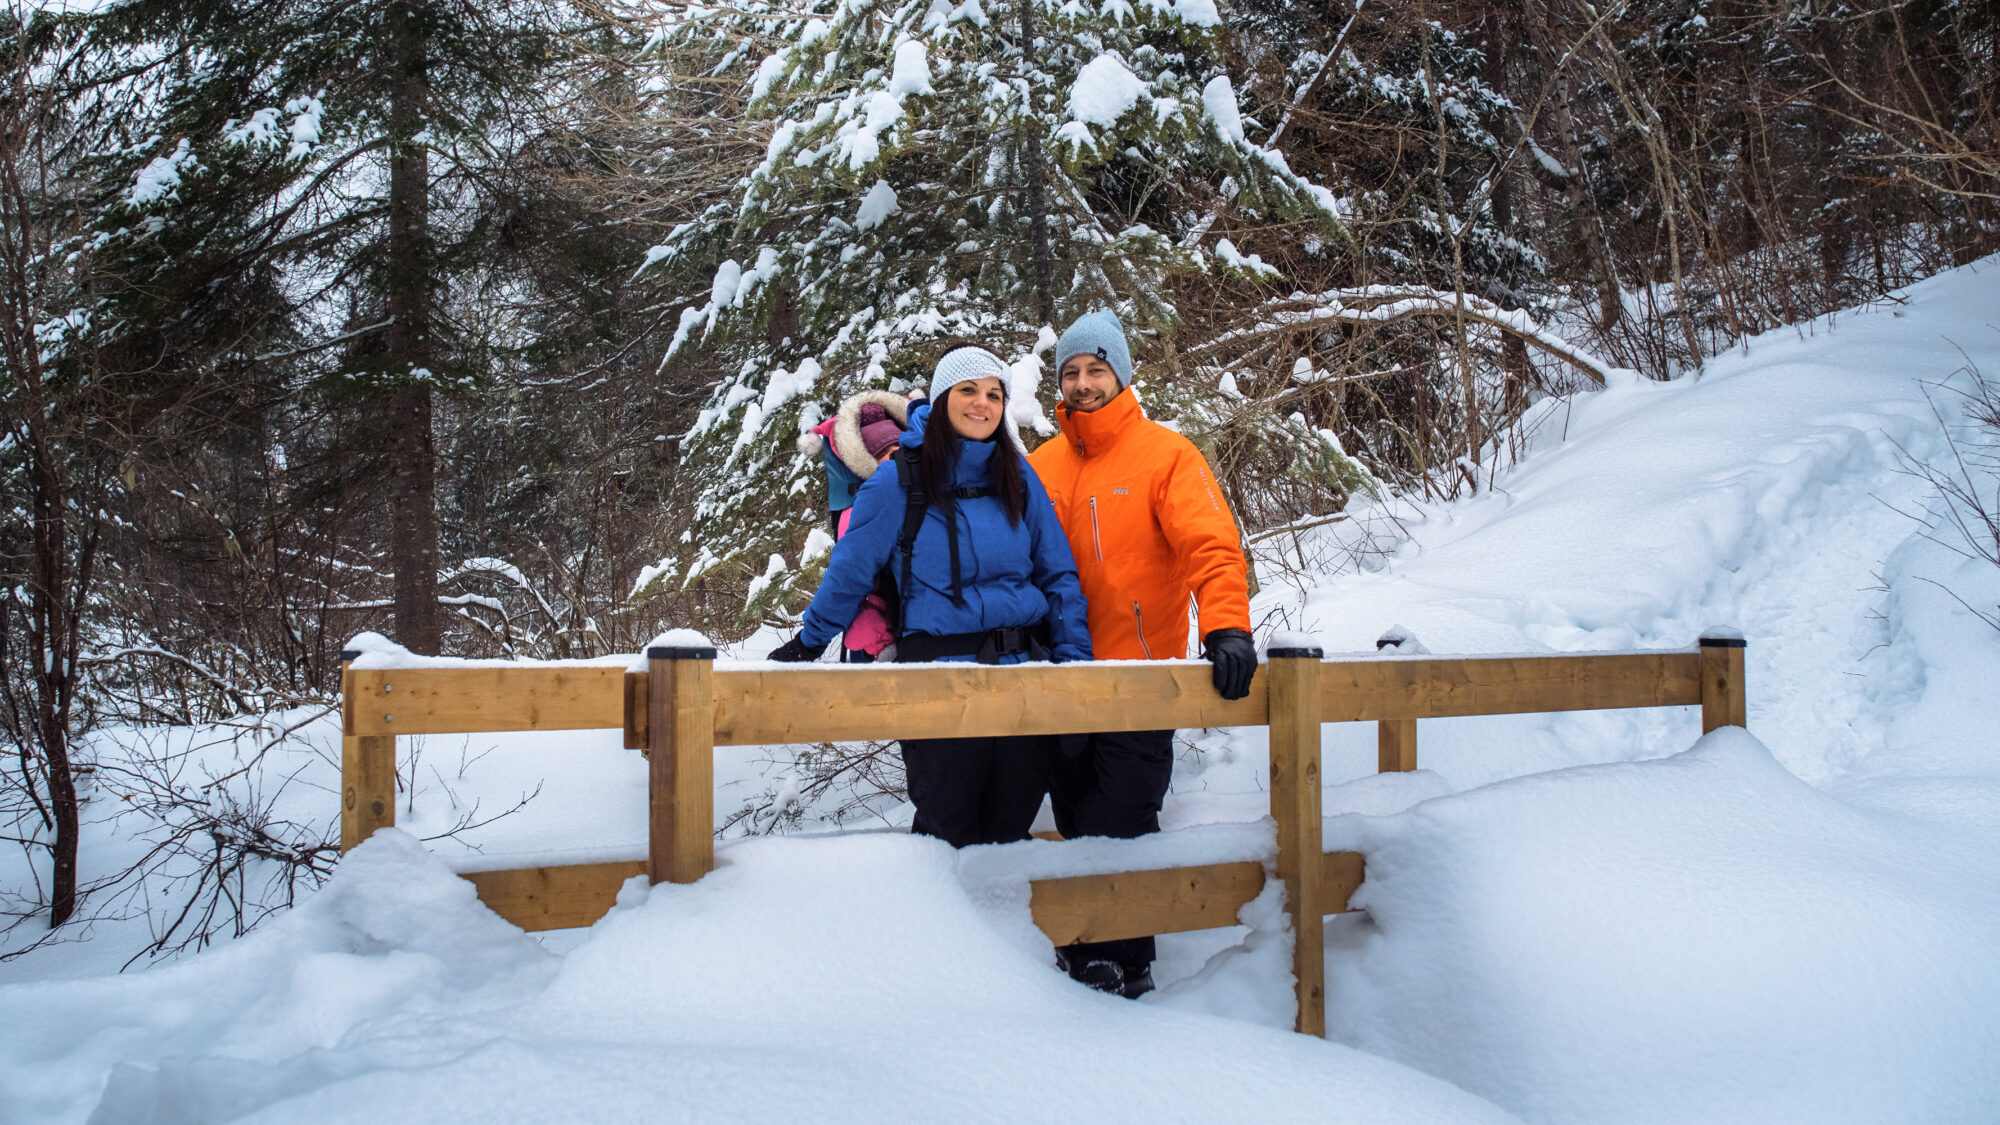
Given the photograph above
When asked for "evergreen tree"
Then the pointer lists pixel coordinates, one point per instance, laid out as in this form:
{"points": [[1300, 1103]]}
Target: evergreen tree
{"points": [[985, 169], [326, 171]]}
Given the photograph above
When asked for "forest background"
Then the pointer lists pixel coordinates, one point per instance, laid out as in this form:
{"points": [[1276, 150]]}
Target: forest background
{"points": [[492, 327]]}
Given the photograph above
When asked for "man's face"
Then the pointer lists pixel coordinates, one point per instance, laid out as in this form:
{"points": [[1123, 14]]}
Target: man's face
{"points": [[1087, 383]]}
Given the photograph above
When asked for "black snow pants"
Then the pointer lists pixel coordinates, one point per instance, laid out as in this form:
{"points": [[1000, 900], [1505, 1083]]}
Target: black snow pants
{"points": [[1111, 784], [976, 790]]}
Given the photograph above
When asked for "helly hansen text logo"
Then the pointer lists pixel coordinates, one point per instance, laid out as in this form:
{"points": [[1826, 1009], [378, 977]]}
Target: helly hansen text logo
{"points": [[1122, 490]]}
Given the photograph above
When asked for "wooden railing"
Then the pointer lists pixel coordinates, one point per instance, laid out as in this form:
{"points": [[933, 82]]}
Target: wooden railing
{"points": [[684, 706]]}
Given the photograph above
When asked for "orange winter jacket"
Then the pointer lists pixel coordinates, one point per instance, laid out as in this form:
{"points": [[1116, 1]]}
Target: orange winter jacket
{"points": [[1148, 527]]}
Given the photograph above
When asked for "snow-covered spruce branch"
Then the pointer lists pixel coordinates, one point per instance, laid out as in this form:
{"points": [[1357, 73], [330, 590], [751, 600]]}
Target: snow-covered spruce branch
{"points": [[1385, 304]]}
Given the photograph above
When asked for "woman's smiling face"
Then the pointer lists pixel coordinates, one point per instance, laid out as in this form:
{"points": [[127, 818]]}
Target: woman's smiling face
{"points": [[974, 407]]}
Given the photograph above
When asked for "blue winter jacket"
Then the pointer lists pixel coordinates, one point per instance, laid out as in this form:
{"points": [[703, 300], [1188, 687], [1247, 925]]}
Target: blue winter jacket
{"points": [[1010, 575]]}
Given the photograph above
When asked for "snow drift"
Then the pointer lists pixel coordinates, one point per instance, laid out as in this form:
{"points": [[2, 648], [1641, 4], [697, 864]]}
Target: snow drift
{"points": [[1700, 938], [854, 976]]}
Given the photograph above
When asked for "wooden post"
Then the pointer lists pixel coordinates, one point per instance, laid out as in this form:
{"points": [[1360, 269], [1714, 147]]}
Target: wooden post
{"points": [[1395, 745], [1293, 674], [1396, 739], [680, 725], [1723, 703], [367, 773]]}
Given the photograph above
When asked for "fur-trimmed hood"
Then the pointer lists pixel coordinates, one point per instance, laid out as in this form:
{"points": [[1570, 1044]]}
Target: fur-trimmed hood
{"points": [[844, 428]]}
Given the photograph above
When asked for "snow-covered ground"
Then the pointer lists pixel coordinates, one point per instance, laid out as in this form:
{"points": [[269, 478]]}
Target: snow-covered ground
{"points": [[1587, 917]]}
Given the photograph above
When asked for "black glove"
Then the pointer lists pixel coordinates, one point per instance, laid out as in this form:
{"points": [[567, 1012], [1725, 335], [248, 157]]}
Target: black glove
{"points": [[1234, 655], [796, 651]]}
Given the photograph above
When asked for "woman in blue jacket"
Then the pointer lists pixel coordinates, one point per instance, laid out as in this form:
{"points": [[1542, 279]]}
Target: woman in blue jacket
{"points": [[989, 578]]}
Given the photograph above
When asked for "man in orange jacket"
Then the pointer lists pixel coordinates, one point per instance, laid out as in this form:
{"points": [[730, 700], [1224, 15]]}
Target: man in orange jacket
{"points": [[1150, 531]]}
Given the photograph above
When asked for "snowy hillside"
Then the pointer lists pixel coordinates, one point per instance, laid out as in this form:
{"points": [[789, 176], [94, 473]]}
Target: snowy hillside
{"points": [[1577, 918]]}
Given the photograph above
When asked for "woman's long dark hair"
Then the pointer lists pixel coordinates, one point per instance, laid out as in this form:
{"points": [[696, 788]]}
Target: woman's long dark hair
{"points": [[937, 463]]}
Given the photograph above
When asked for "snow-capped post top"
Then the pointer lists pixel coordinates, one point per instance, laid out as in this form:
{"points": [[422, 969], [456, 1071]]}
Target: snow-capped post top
{"points": [[1293, 646], [1723, 636], [371, 643], [1401, 639], [680, 644]]}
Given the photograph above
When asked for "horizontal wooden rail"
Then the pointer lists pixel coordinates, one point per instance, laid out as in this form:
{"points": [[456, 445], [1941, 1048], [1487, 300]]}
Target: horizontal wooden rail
{"points": [[475, 700], [824, 703], [832, 704], [1136, 903], [1441, 687], [1127, 904]]}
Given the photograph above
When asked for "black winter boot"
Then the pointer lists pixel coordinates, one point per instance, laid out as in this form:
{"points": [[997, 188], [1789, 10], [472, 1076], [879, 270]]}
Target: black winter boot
{"points": [[1104, 976]]}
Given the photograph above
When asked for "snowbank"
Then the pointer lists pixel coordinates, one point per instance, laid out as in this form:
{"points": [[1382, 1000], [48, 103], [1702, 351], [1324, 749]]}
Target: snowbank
{"points": [[841, 979], [1700, 938], [1765, 494], [394, 938]]}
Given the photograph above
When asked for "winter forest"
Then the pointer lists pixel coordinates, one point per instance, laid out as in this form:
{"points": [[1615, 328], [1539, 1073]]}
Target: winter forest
{"points": [[492, 329]]}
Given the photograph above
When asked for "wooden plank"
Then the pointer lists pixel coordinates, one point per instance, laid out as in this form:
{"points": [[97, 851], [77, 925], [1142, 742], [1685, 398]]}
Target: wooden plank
{"points": [[849, 703], [477, 699], [1340, 874], [1295, 805], [554, 898], [681, 766], [1082, 908], [1396, 745], [858, 702], [1137, 903], [1506, 685], [1723, 703]]}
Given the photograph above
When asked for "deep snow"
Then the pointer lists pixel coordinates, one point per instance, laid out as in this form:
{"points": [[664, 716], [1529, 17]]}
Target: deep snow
{"points": [[1575, 917]]}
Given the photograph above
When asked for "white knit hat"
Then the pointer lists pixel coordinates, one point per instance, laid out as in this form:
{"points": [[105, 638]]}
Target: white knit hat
{"points": [[962, 365]]}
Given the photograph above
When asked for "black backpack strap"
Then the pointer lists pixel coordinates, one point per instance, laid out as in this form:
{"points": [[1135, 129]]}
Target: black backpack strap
{"points": [[913, 513], [913, 520]]}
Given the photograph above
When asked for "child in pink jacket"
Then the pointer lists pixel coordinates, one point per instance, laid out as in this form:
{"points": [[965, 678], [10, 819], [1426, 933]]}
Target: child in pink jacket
{"points": [[862, 434]]}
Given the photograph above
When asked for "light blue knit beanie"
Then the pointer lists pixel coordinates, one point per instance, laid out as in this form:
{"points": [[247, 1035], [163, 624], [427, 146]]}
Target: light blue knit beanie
{"points": [[1099, 334]]}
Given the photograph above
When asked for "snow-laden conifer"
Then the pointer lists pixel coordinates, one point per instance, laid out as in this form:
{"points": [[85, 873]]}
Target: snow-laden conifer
{"points": [[980, 169]]}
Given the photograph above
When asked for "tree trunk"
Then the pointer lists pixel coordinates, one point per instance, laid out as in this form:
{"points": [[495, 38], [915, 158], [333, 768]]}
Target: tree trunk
{"points": [[1514, 361], [413, 548], [1038, 203], [413, 551], [56, 586], [1591, 235], [52, 636]]}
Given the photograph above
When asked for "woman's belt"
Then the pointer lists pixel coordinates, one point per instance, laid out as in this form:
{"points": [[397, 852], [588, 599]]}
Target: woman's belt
{"points": [[986, 648]]}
